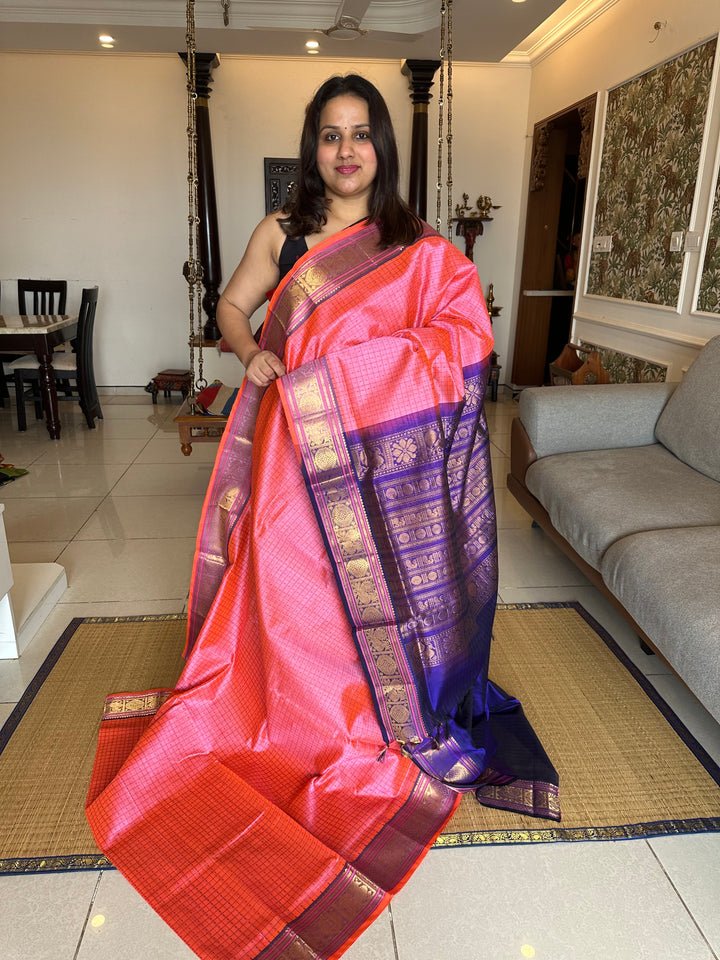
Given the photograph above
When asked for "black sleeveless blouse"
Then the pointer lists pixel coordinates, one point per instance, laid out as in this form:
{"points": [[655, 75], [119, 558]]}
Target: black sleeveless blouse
{"points": [[290, 253]]}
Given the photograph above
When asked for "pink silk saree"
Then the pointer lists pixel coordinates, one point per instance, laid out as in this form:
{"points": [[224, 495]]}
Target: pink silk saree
{"points": [[335, 702]]}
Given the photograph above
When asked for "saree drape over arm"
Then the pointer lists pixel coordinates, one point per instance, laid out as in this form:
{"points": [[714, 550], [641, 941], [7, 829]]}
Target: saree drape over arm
{"points": [[335, 702]]}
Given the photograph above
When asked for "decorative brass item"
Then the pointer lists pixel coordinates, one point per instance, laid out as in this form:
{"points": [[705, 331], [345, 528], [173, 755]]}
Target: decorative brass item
{"points": [[490, 302], [470, 221]]}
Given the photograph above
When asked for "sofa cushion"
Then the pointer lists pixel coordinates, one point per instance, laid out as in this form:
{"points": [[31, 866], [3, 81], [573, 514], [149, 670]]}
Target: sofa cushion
{"points": [[597, 417], [596, 497], [667, 580], [689, 425]]}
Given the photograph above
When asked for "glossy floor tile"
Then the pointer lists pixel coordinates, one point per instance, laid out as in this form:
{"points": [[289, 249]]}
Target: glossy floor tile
{"points": [[119, 507], [692, 865], [500, 468], [21, 451], [508, 512], [528, 558], [135, 411], [65, 480], [146, 517], [165, 448], [38, 551], [554, 901], [103, 449], [46, 518], [131, 428], [127, 569], [376, 943], [43, 915], [185, 477], [121, 924]]}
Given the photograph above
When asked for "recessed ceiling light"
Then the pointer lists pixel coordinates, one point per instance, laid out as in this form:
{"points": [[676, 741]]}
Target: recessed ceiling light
{"points": [[312, 44], [312, 51], [106, 38], [108, 46]]}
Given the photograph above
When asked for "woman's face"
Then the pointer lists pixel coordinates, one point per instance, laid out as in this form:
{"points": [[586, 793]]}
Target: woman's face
{"points": [[346, 156]]}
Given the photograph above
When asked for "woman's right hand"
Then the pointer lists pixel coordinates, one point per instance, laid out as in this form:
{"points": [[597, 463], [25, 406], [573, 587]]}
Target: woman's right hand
{"points": [[256, 273], [263, 367]]}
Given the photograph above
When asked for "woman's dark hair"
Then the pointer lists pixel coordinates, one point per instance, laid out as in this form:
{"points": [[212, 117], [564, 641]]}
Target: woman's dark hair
{"points": [[307, 207]]}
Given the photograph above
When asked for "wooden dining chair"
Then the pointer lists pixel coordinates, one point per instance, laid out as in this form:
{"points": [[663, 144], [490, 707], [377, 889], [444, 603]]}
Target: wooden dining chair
{"points": [[75, 372], [43, 296], [48, 296]]}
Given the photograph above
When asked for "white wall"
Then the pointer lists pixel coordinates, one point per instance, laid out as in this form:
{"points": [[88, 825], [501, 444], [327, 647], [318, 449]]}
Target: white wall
{"points": [[612, 49], [617, 46], [94, 180], [489, 148], [93, 191]]}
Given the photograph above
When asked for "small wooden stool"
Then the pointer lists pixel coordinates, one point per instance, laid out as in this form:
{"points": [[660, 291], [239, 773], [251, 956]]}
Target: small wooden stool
{"points": [[168, 380]]}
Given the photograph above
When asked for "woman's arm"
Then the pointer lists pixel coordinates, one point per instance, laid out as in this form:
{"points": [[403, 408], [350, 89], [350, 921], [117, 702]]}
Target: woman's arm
{"points": [[256, 273]]}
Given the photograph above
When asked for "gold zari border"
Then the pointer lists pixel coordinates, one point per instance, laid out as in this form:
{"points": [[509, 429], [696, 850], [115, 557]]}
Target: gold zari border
{"points": [[632, 831], [322, 447], [123, 705]]}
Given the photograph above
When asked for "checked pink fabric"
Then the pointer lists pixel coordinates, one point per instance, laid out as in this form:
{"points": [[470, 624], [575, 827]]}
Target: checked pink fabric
{"points": [[340, 617]]}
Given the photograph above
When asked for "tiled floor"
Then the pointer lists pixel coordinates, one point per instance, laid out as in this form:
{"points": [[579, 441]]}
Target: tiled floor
{"points": [[118, 507]]}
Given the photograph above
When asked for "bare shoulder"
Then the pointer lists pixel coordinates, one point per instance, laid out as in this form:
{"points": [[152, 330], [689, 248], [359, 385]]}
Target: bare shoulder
{"points": [[258, 270], [268, 237]]}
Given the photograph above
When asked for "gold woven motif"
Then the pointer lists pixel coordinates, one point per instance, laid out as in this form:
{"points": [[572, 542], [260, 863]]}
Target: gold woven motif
{"points": [[324, 447]]}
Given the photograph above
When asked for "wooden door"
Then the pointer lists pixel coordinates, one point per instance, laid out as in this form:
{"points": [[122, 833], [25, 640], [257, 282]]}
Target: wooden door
{"points": [[545, 304]]}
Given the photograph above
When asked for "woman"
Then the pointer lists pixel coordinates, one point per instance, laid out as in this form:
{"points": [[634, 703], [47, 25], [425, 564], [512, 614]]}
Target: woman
{"points": [[342, 181], [335, 702]]}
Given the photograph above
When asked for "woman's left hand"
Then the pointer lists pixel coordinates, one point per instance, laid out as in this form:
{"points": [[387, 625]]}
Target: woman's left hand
{"points": [[263, 367]]}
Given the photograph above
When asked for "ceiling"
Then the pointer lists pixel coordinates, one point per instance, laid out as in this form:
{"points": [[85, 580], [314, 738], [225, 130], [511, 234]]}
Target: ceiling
{"points": [[484, 31]]}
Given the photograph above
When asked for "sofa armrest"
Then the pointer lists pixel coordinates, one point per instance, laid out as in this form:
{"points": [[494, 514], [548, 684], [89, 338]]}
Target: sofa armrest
{"points": [[592, 417], [522, 453]]}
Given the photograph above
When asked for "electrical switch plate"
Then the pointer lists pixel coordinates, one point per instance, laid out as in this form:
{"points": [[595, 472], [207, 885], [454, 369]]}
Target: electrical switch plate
{"points": [[676, 241], [692, 242], [602, 244]]}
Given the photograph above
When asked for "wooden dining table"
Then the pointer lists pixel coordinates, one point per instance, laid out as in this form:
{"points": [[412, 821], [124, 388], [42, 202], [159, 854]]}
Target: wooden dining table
{"points": [[40, 335]]}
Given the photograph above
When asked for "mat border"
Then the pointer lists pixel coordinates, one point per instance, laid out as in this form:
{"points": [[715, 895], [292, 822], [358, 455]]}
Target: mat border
{"points": [[67, 863], [634, 831], [446, 841]]}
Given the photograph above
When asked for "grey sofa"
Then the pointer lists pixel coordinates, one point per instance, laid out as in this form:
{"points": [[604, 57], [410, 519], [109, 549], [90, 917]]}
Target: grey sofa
{"points": [[625, 478]]}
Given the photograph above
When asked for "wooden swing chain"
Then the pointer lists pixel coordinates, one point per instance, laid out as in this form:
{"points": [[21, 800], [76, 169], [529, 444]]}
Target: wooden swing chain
{"points": [[446, 45], [193, 270], [441, 106]]}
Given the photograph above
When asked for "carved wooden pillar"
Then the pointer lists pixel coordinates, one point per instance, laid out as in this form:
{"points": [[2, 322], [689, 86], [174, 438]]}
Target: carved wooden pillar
{"points": [[420, 74], [209, 251]]}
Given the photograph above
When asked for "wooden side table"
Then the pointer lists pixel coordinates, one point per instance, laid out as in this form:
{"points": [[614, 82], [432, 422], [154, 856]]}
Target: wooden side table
{"points": [[168, 380]]}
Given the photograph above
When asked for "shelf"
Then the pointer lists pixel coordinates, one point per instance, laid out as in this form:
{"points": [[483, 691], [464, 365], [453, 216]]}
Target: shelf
{"points": [[206, 343], [548, 293]]}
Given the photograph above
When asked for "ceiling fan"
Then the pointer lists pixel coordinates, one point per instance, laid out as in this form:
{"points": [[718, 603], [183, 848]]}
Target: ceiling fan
{"points": [[347, 21], [347, 25]]}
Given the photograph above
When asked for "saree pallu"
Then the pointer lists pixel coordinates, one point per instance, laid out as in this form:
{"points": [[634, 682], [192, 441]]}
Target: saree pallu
{"points": [[335, 702]]}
